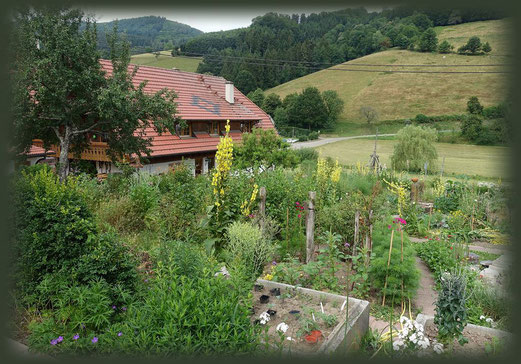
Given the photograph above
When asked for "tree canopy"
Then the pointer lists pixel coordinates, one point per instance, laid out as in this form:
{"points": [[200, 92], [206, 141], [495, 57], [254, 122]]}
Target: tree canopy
{"points": [[61, 93]]}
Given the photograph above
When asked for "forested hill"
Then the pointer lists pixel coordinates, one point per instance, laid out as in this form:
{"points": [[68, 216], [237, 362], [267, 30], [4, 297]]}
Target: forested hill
{"points": [[148, 33], [251, 57]]}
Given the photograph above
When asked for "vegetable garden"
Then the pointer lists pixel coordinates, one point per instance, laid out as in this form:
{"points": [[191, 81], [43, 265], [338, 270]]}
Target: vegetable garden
{"points": [[161, 265]]}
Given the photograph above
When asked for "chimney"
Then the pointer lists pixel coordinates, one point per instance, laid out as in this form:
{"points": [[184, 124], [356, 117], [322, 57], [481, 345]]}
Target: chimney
{"points": [[229, 92]]}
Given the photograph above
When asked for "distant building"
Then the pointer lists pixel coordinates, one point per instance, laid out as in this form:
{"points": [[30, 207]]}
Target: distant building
{"points": [[204, 102]]}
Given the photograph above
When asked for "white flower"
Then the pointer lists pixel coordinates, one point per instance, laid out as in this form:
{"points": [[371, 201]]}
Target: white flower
{"points": [[489, 320], [403, 319], [438, 348], [481, 317], [424, 344], [413, 338], [282, 327], [264, 318], [397, 344]]}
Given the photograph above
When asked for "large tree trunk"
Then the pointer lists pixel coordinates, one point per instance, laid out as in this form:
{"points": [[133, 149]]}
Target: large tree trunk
{"points": [[65, 142]]}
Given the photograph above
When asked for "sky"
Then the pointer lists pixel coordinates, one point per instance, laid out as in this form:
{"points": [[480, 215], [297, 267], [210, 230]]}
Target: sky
{"points": [[205, 19]]}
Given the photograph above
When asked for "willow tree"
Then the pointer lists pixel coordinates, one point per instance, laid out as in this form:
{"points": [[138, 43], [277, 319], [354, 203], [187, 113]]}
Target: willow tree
{"points": [[415, 147], [60, 91]]}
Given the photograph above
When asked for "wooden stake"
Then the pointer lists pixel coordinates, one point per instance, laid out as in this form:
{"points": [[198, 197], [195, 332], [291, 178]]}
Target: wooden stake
{"points": [[310, 227], [357, 230], [262, 206], [388, 264], [401, 260]]}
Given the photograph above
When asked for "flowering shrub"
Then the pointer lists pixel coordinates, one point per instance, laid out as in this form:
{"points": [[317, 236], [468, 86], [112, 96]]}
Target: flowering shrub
{"points": [[223, 164], [411, 337]]}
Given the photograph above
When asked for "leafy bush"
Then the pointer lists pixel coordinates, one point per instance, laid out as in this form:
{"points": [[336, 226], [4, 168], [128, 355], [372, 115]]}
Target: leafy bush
{"points": [[474, 106], [445, 47], [172, 315], [109, 259], [423, 119], [416, 145], [52, 224], [428, 41], [248, 247], [438, 256], [313, 135], [451, 310], [306, 154], [495, 112]]}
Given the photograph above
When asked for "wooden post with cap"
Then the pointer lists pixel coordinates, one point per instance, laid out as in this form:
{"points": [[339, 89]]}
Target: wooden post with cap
{"points": [[310, 227]]}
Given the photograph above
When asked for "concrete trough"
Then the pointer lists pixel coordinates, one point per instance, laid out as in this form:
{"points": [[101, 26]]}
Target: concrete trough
{"points": [[339, 342]]}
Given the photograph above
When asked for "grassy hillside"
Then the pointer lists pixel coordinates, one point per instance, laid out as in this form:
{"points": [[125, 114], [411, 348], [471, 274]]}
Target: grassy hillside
{"points": [[403, 95], [471, 160], [165, 60]]}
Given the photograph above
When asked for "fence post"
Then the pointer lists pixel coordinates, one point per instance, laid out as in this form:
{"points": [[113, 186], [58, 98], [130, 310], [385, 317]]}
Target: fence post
{"points": [[310, 227], [262, 206]]}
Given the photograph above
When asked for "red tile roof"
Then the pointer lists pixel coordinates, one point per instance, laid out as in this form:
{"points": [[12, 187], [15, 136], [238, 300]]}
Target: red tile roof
{"points": [[199, 97], [38, 151]]}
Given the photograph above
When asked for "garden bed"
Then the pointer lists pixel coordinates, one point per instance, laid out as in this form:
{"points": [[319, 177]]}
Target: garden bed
{"points": [[480, 339], [334, 338]]}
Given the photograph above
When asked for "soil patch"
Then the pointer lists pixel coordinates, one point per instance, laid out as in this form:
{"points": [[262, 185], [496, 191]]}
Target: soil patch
{"points": [[300, 323]]}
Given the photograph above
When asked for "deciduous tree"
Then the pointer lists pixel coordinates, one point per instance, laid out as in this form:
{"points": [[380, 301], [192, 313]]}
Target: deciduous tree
{"points": [[61, 93]]}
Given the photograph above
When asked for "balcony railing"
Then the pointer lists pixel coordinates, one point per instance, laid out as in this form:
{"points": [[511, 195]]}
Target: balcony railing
{"points": [[95, 152]]}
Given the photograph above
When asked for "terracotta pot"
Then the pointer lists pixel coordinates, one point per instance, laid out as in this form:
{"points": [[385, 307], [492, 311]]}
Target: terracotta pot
{"points": [[414, 179]]}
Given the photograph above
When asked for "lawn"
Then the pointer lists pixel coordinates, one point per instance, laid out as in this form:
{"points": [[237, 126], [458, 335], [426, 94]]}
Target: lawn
{"points": [[165, 60], [486, 161]]}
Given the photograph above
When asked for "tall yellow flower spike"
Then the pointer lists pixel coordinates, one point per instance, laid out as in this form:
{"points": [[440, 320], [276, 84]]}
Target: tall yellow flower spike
{"points": [[223, 161]]}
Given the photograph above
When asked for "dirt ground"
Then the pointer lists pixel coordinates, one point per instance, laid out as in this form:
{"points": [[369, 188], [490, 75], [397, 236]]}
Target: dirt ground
{"points": [[307, 305]]}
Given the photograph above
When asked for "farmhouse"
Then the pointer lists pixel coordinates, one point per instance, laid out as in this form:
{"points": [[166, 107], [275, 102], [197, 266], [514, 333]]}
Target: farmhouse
{"points": [[204, 102]]}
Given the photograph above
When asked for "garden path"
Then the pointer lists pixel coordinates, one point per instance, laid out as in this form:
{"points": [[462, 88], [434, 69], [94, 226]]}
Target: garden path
{"points": [[426, 295]]}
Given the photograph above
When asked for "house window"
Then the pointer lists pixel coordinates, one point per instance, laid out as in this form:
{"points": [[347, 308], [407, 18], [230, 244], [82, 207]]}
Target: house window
{"points": [[186, 132], [214, 127]]}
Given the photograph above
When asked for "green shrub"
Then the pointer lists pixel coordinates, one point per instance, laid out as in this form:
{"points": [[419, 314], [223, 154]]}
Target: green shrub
{"points": [[416, 145], [495, 112], [445, 47], [52, 224], [306, 154], [398, 271], [451, 310], [107, 258], [248, 247], [474, 106], [423, 119], [313, 135], [438, 256]]}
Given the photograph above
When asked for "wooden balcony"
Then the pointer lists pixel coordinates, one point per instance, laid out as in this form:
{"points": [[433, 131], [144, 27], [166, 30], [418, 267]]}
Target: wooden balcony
{"points": [[96, 151]]}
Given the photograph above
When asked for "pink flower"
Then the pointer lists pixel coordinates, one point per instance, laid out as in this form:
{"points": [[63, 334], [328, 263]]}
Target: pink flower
{"points": [[299, 216], [388, 226]]}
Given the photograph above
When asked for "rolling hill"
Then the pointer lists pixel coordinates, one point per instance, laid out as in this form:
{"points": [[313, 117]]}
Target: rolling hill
{"points": [[403, 95], [148, 33], [165, 60]]}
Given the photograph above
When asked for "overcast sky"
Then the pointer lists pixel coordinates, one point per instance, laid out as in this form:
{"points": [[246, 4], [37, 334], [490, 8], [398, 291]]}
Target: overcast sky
{"points": [[205, 19]]}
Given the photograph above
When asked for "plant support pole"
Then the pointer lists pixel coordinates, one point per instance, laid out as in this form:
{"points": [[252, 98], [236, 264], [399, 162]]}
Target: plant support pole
{"points": [[357, 230], [388, 264], [310, 227], [262, 206]]}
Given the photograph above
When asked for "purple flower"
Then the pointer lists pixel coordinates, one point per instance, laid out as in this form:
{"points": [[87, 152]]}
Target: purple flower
{"points": [[146, 280], [76, 337], [123, 308], [54, 342], [82, 326], [274, 263], [347, 245], [59, 339], [120, 333], [113, 307], [94, 340]]}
